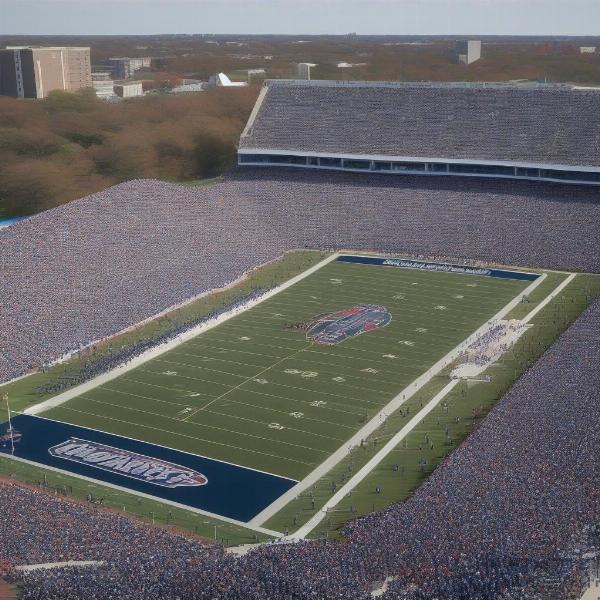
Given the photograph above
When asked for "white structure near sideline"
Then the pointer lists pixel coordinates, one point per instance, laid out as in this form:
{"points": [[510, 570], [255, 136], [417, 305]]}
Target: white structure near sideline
{"points": [[587, 49]]}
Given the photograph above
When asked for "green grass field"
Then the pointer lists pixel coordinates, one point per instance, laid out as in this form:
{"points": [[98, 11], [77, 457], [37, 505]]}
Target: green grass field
{"points": [[254, 392]]}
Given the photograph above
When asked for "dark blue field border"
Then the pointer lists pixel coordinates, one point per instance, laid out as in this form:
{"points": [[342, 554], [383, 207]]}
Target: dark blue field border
{"points": [[434, 267], [232, 491]]}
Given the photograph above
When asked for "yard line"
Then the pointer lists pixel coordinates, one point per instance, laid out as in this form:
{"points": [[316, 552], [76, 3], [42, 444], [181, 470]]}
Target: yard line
{"points": [[328, 407], [171, 362], [187, 377], [283, 412], [329, 437], [163, 416], [191, 437], [245, 381], [137, 396], [164, 387]]}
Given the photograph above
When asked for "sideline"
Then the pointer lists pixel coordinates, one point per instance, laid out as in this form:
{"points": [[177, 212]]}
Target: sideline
{"points": [[391, 407], [303, 531], [170, 344], [557, 290]]}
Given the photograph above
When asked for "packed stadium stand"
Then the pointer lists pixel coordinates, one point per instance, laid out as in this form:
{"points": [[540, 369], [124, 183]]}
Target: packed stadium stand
{"points": [[513, 512], [548, 132], [499, 519], [88, 269]]}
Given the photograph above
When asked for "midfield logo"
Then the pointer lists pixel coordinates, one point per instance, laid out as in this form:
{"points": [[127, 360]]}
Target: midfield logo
{"points": [[330, 329], [129, 464]]}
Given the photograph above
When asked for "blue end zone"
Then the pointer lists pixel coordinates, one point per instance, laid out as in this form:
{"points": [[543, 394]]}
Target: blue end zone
{"points": [[438, 267], [231, 491]]}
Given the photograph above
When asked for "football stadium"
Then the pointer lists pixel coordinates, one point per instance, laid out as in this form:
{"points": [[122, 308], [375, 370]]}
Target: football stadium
{"points": [[364, 364]]}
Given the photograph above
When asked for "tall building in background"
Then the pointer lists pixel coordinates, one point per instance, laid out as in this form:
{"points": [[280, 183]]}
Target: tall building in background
{"points": [[125, 67], [469, 51], [29, 72]]}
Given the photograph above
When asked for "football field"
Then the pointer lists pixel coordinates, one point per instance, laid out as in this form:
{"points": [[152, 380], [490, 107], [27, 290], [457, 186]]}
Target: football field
{"points": [[280, 387]]}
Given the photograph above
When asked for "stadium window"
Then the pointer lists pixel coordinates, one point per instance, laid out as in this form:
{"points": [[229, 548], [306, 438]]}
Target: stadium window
{"points": [[313, 160], [482, 169], [254, 158], [357, 164], [527, 172], [383, 166], [331, 162], [287, 159], [401, 166], [438, 167], [571, 175]]}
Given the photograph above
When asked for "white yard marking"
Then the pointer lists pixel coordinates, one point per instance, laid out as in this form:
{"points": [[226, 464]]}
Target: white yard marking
{"points": [[407, 393], [276, 426], [262, 381]]}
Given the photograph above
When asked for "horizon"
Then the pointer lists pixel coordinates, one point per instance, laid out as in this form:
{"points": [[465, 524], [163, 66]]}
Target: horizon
{"points": [[517, 18]]}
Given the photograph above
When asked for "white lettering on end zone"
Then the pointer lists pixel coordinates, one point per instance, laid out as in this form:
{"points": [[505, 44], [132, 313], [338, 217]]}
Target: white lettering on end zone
{"points": [[126, 463]]}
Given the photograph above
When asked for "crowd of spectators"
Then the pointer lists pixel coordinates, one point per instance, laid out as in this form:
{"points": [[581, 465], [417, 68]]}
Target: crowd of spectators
{"points": [[511, 514], [86, 270], [95, 364]]}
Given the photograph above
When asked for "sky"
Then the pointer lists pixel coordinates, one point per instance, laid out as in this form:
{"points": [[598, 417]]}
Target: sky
{"points": [[383, 17]]}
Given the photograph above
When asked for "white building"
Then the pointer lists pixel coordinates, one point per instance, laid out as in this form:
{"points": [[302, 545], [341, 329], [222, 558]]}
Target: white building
{"points": [[129, 89], [221, 80], [103, 85], [469, 51], [587, 49], [304, 70]]}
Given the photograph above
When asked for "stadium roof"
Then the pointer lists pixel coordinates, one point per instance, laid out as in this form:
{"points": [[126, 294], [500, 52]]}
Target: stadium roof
{"points": [[543, 125]]}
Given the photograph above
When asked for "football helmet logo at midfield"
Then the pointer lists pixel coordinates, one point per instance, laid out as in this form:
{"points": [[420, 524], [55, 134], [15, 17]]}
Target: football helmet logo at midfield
{"points": [[329, 329]]}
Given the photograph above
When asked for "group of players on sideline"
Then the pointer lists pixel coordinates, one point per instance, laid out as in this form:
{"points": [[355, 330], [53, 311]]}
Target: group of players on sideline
{"points": [[511, 514]]}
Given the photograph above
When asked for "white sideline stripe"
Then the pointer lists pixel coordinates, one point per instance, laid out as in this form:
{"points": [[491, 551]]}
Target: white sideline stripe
{"points": [[303, 531], [549, 298], [199, 511], [169, 345], [391, 407]]}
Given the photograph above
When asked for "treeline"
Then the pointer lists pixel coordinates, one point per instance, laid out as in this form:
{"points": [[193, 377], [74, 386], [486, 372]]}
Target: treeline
{"points": [[69, 145]]}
